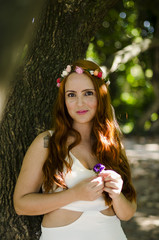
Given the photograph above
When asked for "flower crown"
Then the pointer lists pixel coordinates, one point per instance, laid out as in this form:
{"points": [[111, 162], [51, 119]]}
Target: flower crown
{"points": [[78, 70]]}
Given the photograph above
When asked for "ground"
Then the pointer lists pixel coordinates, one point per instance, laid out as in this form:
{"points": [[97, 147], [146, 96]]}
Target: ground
{"points": [[143, 154]]}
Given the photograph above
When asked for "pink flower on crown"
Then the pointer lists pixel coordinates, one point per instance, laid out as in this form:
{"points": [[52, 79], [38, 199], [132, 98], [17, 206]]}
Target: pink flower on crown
{"points": [[58, 82], [79, 70], [68, 68]]}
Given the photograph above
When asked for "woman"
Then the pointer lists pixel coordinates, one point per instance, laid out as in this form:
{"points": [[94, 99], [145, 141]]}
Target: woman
{"points": [[77, 203]]}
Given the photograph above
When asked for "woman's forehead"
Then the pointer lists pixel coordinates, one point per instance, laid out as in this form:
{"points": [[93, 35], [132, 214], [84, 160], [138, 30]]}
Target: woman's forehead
{"points": [[78, 81]]}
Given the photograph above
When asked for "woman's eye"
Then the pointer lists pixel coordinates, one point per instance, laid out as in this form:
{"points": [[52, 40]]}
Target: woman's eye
{"points": [[89, 93], [71, 95]]}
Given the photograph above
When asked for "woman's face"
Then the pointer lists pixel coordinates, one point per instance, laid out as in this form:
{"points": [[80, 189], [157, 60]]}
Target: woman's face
{"points": [[80, 98]]}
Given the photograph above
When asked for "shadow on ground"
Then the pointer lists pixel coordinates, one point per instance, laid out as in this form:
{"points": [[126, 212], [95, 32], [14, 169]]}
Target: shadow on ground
{"points": [[143, 154]]}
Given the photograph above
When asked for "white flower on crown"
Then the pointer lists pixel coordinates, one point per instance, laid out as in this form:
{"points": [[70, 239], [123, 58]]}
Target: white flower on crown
{"points": [[91, 72], [64, 73]]}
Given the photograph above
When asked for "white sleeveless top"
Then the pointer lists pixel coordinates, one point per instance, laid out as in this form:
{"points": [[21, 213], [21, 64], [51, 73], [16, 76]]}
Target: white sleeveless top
{"points": [[77, 174]]}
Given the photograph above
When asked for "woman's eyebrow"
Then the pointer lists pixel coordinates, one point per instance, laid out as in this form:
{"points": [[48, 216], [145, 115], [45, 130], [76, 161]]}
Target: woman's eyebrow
{"points": [[88, 89], [70, 91]]}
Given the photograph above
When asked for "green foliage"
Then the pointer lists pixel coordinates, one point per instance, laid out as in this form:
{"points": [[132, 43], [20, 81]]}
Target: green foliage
{"points": [[131, 87]]}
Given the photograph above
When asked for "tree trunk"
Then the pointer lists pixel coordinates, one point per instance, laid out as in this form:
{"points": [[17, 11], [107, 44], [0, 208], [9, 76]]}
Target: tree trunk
{"points": [[63, 31]]}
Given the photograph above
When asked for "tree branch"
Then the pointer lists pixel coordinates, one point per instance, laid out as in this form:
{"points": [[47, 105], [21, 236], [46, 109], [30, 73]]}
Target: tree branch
{"points": [[129, 52]]}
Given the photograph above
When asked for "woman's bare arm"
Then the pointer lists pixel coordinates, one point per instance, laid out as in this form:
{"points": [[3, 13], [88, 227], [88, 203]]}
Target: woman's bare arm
{"points": [[28, 200], [123, 208]]}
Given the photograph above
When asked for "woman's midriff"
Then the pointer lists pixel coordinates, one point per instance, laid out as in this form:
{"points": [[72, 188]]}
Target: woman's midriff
{"points": [[63, 217]]}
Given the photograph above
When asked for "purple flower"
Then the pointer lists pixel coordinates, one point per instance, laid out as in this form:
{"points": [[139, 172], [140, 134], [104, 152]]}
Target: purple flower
{"points": [[98, 168]]}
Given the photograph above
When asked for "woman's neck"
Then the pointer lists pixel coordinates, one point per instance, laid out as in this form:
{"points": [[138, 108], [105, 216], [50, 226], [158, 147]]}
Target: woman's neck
{"points": [[84, 130]]}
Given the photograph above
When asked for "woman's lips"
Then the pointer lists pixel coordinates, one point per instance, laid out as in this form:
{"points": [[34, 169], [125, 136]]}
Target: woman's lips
{"points": [[82, 112]]}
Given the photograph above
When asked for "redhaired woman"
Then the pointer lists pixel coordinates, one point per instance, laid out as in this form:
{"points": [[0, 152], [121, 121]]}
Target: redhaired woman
{"points": [[77, 202]]}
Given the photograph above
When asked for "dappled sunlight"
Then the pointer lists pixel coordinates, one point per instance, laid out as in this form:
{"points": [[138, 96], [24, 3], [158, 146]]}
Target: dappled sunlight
{"points": [[152, 147], [143, 154], [142, 151], [147, 223]]}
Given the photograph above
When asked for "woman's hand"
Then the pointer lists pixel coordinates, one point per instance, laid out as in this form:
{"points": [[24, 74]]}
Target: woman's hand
{"points": [[89, 189], [113, 183]]}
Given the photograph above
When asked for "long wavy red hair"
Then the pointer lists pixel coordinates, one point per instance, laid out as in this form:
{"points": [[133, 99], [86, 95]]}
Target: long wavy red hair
{"points": [[107, 146]]}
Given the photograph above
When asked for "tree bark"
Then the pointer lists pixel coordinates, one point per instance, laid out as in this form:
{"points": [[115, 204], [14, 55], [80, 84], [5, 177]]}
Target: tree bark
{"points": [[62, 33]]}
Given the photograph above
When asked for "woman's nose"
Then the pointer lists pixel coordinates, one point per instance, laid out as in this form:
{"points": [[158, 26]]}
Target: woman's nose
{"points": [[79, 101]]}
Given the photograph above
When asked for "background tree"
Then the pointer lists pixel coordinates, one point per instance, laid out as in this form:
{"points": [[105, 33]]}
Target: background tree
{"points": [[128, 45], [61, 33]]}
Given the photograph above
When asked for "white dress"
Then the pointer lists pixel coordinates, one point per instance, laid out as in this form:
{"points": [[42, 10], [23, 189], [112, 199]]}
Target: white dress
{"points": [[92, 224]]}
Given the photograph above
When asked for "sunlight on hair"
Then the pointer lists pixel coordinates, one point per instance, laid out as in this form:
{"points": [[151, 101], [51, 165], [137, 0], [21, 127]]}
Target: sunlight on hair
{"points": [[103, 139], [102, 89]]}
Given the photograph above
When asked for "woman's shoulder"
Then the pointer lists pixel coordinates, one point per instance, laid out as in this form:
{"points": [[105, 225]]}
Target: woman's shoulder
{"points": [[47, 133], [43, 138], [38, 151]]}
